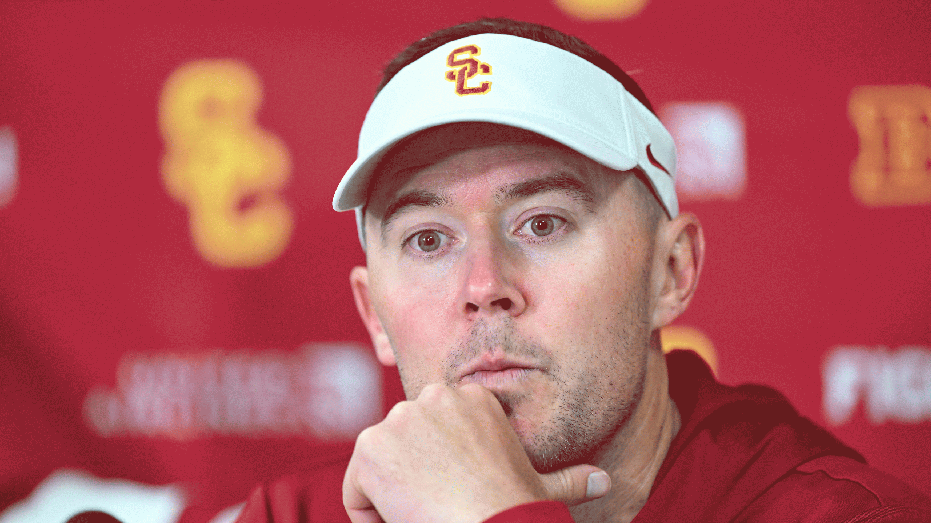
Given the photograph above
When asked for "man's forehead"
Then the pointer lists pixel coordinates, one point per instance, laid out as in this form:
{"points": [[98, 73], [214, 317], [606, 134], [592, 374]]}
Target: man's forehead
{"points": [[433, 146]]}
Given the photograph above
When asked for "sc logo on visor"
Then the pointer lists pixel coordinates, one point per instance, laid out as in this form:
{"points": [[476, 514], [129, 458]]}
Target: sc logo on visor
{"points": [[464, 68]]}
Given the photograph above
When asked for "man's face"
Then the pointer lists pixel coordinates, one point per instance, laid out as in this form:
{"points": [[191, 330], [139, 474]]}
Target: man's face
{"points": [[522, 267]]}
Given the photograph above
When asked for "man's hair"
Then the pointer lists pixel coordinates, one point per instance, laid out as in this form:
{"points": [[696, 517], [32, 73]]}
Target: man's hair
{"points": [[528, 30]]}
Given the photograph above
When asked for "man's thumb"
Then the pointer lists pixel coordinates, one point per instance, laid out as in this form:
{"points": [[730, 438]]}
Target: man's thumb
{"points": [[577, 484]]}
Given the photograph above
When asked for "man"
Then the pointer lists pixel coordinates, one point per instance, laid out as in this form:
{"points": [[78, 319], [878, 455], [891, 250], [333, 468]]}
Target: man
{"points": [[514, 195]]}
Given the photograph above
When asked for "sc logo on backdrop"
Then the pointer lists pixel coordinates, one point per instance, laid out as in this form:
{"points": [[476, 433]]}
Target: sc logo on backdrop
{"points": [[222, 166]]}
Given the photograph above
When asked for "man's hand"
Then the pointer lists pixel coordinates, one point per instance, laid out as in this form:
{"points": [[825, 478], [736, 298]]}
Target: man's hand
{"points": [[452, 456]]}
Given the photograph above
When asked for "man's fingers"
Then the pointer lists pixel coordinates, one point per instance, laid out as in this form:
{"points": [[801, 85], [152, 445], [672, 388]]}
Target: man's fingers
{"points": [[358, 507], [577, 484], [357, 504]]}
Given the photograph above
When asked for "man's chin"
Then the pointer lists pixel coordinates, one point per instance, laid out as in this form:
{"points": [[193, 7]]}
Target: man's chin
{"points": [[537, 445], [547, 451]]}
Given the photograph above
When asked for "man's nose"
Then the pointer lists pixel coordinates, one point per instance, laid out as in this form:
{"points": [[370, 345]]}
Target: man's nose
{"points": [[492, 281]]}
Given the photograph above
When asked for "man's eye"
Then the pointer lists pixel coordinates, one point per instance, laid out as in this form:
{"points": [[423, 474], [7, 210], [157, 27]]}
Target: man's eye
{"points": [[542, 225], [426, 241]]}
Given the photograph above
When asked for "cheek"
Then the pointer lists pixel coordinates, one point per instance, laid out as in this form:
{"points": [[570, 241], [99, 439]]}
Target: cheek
{"points": [[593, 310], [414, 313], [592, 287]]}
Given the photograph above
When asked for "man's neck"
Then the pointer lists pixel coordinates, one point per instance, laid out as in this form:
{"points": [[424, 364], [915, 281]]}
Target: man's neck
{"points": [[636, 453]]}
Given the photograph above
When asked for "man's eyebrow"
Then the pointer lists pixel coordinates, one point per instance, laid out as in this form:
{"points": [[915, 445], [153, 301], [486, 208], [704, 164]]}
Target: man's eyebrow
{"points": [[415, 198], [561, 182]]}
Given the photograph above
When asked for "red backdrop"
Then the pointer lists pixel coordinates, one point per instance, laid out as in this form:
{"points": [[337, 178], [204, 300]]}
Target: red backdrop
{"points": [[166, 321]]}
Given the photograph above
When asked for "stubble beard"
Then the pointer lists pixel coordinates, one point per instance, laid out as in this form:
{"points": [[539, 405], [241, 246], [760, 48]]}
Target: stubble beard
{"points": [[587, 415], [586, 420]]}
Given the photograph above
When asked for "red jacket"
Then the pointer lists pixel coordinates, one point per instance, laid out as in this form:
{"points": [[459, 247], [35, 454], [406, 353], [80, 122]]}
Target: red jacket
{"points": [[742, 454]]}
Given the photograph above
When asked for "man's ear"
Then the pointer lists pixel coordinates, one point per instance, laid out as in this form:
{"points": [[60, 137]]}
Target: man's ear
{"points": [[359, 280], [680, 253]]}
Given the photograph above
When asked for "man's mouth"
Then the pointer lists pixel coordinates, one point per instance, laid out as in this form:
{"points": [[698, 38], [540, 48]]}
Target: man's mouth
{"points": [[496, 373]]}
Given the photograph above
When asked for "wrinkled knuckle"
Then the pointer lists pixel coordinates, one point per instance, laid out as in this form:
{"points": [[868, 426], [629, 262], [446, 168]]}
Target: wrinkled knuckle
{"points": [[566, 488], [571, 487]]}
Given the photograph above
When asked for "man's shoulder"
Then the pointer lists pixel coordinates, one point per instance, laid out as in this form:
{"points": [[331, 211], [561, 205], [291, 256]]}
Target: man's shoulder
{"points": [[310, 496], [838, 489], [745, 454]]}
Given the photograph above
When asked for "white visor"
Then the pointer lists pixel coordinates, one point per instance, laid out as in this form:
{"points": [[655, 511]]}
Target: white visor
{"points": [[521, 83]]}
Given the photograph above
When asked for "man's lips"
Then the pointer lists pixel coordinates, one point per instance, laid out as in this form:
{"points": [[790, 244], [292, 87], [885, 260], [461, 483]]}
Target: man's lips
{"points": [[494, 372]]}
